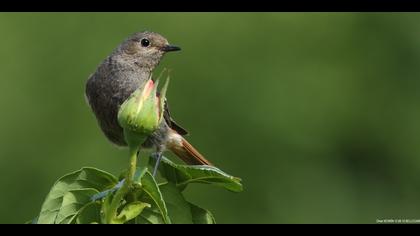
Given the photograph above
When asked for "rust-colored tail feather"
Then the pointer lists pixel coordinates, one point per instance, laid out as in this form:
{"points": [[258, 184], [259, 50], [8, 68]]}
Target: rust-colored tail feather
{"points": [[189, 154]]}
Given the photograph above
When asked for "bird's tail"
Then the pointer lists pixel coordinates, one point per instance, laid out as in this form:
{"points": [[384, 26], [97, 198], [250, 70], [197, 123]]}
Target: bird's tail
{"points": [[184, 150]]}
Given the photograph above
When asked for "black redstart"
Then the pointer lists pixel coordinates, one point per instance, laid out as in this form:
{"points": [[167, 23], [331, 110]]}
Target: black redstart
{"points": [[128, 68]]}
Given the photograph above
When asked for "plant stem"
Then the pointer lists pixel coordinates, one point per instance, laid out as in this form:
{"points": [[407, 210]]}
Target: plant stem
{"points": [[132, 167], [119, 195]]}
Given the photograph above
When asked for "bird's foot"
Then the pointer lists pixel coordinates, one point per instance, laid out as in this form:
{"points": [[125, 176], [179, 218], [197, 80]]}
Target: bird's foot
{"points": [[158, 157], [105, 193]]}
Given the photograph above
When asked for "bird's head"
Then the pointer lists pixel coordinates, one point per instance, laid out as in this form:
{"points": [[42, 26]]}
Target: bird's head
{"points": [[146, 49]]}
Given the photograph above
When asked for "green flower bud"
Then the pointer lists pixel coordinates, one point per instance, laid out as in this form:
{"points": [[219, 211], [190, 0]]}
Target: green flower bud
{"points": [[141, 114]]}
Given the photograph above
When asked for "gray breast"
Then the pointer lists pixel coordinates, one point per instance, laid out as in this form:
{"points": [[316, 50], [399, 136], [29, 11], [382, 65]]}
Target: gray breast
{"points": [[106, 90]]}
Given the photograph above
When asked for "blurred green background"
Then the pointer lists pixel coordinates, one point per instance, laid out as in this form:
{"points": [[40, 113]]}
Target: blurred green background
{"points": [[318, 113]]}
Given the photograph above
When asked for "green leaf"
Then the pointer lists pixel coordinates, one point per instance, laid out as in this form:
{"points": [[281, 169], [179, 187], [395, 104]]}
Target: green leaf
{"points": [[180, 211], [150, 216], [63, 199], [183, 175], [130, 211], [178, 208], [73, 201], [90, 213], [151, 188], [201, 216]]}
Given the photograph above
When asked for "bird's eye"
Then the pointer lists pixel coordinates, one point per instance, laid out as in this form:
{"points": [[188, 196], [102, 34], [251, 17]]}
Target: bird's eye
{"points": [[145, 43]]}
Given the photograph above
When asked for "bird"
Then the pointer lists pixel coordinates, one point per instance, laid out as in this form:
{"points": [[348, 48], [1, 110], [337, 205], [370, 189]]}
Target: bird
{"points": [[128, 67]]}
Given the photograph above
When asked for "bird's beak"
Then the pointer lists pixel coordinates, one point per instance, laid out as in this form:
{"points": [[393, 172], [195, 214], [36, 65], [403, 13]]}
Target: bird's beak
{"points": [[170, 48]]}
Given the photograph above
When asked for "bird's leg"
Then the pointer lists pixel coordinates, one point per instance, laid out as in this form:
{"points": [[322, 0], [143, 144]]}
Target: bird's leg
{"points": [[158, 156], [105, 193]]}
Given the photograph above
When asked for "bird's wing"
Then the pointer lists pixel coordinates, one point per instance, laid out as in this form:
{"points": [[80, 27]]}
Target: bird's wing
{"points": [[172, 124]]}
